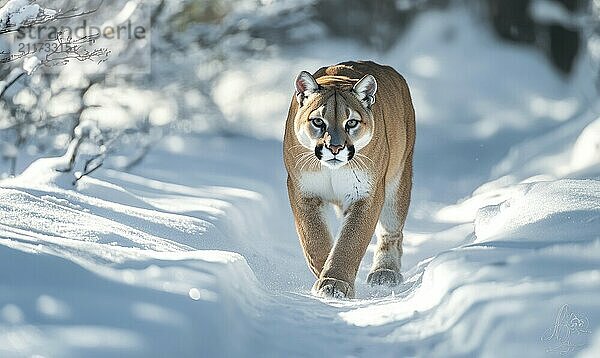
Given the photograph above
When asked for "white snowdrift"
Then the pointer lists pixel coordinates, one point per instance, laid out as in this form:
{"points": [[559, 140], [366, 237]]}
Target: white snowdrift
{"points": [[559, 211], [128, 269], [101, 270], [534, 253]]}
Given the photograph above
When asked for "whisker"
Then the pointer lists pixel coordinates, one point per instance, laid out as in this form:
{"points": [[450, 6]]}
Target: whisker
{"points": [[362, 163], [295, 146], [307, 152], [303, 162], [365, 157], [310, 164], [304, 154], [317, 164], [314, 163], [306, 162], [356, 162], [365, 164]]}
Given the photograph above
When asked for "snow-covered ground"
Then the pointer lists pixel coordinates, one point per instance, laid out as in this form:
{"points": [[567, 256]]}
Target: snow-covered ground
{"points": [[193, 253]]}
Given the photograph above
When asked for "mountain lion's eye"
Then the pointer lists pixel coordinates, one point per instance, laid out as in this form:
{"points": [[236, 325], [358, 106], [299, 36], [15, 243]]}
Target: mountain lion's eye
{"points": [[317, 122], [351, 123]]}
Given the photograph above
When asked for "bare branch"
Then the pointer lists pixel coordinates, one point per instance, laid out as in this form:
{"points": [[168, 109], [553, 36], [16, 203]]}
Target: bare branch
{"points": [[67, 49], [11, 57], [88, 169], [10, 83]]}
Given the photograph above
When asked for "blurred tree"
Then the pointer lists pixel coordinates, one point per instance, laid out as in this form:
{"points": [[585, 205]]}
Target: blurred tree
{"points": [[201, 11], [195, 41], [376, 23], [512, 20]]}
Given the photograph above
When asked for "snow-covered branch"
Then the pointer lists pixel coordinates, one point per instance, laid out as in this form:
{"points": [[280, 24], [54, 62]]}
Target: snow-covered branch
{"points": [[16, 14], [58, 50], [10, 80]]}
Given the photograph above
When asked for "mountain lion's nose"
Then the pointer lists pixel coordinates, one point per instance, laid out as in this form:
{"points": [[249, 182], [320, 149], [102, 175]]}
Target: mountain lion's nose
{"points": [[335, 149]]}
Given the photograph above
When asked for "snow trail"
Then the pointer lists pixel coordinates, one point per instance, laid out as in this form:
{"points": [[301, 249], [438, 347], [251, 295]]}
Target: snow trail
{"points": [[261, 295]]}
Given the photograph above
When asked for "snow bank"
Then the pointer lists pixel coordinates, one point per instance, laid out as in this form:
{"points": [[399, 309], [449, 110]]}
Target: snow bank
{"points": [[106, 270], [151, 304], [564, 210], [532, 254], [130, 258]]}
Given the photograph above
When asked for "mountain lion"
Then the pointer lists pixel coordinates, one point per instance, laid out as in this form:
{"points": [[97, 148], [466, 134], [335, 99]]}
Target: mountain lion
{"points": [[342, 147]]}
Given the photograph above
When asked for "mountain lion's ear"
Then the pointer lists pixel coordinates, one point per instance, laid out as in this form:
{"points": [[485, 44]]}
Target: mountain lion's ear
{"points": [[305, 86], [365, 90]]}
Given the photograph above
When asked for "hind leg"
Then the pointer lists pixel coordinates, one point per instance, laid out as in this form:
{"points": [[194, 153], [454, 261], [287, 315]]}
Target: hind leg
{"points": [[386, 261]]}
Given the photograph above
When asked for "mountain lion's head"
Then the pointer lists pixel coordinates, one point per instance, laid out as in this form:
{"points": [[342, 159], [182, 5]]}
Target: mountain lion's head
{"points": [[334, 118]]}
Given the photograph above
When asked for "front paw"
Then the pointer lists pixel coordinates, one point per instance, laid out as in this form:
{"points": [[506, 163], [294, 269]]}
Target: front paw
{"points": [[331, 287], [384, 277]]}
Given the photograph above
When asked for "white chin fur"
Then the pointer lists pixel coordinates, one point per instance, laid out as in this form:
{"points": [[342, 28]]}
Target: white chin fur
{"points": [[342, 158], [333, 165]]}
